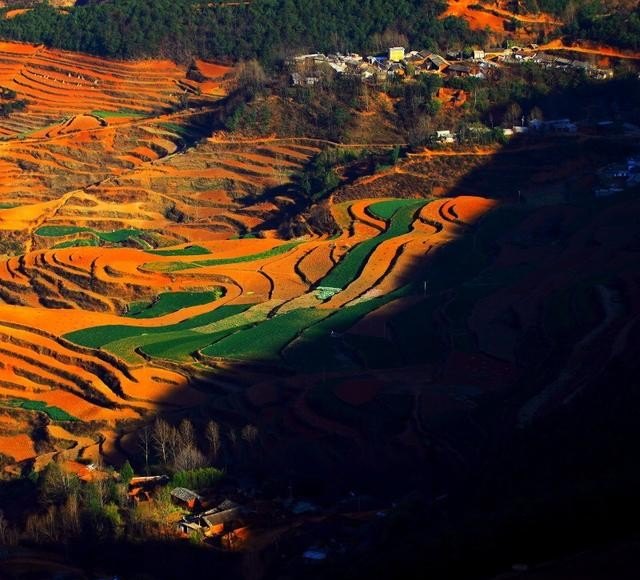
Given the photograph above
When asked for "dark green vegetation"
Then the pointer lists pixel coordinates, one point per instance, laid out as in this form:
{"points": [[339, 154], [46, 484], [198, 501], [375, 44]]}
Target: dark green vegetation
{"points": [[115, 237], [617, 27], [172, 341], [200, 478], [265, 340], [193, 250], [176, 266], [9, 103], [401, 214], [263, 29], [324, 346], [171, 302], [55, 413]]}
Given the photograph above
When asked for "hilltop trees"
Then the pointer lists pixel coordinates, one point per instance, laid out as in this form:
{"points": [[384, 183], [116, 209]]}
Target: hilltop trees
{"points": [[264, 30]]}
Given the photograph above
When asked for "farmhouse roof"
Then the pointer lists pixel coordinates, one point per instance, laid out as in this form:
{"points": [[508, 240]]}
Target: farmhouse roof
{"points": [[184, 494], [224, 512], [463, 68], [437, 60]]}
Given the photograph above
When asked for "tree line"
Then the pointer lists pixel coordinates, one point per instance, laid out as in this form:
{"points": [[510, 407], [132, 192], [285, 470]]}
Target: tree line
{"points": [[263, 29]]}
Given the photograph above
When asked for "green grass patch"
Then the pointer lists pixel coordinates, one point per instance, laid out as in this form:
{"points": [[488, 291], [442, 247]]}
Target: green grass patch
{"points": [[186, 251], [118, 114], [171, 302], [122, 340], [58, 231], [401, 212], [385, 210], [77, 243], [177, 129], [7, 205], [176, 266], [321, 346], [117, 236], [265, 340], [179, 346], [55, 413]]}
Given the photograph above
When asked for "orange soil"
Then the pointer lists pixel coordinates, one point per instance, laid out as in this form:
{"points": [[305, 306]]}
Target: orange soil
{"points": [[476, 19], [479, 19], [16, 12], [315, 264], [590, 49], [20, 447], [451, 97]]}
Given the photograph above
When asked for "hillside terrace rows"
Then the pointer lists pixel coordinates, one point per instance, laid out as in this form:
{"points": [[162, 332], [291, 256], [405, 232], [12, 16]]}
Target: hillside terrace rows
{"points": [[57, 84]]}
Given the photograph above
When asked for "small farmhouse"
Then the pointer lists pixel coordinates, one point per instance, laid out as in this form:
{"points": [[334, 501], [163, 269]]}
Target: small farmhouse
{"points": [[396, 53], [186, 498], [213, 521]]}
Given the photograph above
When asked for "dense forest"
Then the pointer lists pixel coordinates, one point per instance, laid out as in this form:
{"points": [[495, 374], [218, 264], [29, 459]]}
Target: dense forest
{"points": [[263, 29], [617, 28], [597, 20]]}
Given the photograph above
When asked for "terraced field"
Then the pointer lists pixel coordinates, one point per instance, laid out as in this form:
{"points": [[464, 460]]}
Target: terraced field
{"points": [[142, 273]]}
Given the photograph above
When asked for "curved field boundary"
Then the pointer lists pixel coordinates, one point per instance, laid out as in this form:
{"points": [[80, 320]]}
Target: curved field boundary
{"points": [[177, 266], [349, 268], [123, 340]]}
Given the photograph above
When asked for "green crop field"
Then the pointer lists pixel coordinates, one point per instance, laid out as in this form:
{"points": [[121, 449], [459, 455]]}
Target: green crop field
{"points": [[187, 251], [321, 346], [77, 243], [402, 213], [116, 236], [58, 231], [385, 210], [176, 266], [265, 340], [117, 114], [55, 413], [171, 302], [100, 336], [179, 346]]}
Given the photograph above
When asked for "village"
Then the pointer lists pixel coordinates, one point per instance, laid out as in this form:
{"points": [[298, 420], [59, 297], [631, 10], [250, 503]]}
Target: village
{"points": [[398, 65], [398, 62], [231, 518]]}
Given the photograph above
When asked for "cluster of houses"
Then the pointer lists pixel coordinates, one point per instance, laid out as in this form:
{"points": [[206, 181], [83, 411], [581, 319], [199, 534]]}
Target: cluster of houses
{"points": [[546, 60], [534, 126], [400, 63], [617, 177], [396, 63]]}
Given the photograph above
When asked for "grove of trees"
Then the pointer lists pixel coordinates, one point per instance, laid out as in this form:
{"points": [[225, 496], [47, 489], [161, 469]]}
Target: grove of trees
{"points": [[263, 29]]}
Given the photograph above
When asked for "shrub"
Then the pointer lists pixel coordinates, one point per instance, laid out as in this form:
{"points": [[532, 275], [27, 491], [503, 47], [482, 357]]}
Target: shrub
{"points": [[197, 478]]}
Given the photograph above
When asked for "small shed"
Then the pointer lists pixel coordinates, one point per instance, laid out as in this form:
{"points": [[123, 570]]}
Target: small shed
{"points": [[436, 62], [186, 498], [459, 70]]}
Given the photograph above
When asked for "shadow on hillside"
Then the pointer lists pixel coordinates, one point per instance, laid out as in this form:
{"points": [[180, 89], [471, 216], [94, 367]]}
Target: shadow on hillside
{"points": [[437, 439], [482, 493]]}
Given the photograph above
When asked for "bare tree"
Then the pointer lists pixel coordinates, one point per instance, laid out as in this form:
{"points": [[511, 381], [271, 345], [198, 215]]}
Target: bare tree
{"points": [[187, 434], [174, 443], [161, 438], [250, 77], [4, 529], [535, 114], [250, 434], [190, 457], [70, 514], [513, 114], [213, 437], [144, 443], [233, 438]]}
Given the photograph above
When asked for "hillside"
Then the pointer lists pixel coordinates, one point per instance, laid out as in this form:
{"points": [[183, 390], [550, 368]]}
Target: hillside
{"points": [[197, 241]]}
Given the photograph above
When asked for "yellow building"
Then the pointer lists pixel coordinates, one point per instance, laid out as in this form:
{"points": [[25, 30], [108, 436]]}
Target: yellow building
{"points": [[396, 53]]}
